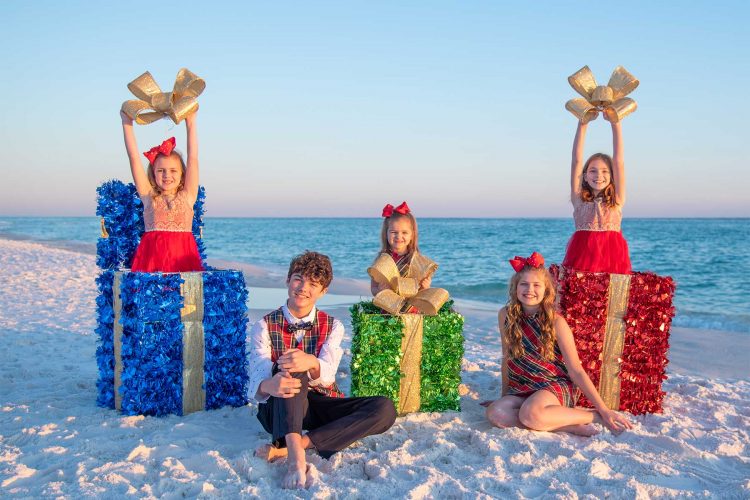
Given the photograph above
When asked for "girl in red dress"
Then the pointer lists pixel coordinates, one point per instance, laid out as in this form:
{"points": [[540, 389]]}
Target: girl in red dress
{"points": [[597, 191], [168, 191], [541, 371]]}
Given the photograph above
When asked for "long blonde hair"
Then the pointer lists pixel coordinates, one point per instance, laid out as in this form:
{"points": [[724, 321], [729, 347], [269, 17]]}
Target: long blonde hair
{"points": [[511, 330], [413, 244]]}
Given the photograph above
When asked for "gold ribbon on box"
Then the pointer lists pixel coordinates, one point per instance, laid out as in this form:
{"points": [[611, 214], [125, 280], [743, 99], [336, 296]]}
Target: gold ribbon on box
{"points": [[404, 291], [618, 295], [193, 347], [609, 99], [153, 104]]}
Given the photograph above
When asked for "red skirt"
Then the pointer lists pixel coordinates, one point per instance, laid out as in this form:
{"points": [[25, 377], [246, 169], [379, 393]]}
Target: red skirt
{"points": [[598, 252], [167, 252]]}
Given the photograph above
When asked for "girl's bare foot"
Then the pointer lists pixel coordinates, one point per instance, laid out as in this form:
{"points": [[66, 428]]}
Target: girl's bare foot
{"points": [[270, 453], [586, 430]]}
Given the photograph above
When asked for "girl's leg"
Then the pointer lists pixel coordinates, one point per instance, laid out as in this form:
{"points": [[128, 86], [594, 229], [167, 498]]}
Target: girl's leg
{"points": [[542, 411], [504, 412]]}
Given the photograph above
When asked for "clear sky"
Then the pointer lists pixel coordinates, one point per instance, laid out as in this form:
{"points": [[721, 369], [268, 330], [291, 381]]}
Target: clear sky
{"points": [[335, 108]]}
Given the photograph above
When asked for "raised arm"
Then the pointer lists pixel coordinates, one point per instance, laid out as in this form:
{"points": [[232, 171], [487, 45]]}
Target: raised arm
{"points": [[576, 164], [142, 185], [618, 163], [564, 337], [191, 174]]}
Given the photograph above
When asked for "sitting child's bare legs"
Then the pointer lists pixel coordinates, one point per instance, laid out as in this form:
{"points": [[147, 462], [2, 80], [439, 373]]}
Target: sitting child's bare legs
{"points": [[504, 412], [542, 412]]}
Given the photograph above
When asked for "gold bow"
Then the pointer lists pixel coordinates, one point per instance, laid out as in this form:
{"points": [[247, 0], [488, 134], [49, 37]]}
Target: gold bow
{"points": [[609, 99], [178, 104], [405, 290]]}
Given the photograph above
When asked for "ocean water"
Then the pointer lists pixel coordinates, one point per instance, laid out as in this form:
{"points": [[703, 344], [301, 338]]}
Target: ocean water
{"points": [[708, 258]]}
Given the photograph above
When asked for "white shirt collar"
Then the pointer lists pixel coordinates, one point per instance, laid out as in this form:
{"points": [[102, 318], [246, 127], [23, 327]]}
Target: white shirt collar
{"points": [[294, 320]]}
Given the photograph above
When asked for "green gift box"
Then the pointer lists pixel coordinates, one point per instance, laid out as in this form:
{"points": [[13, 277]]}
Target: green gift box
{"points": [[413, 359]]}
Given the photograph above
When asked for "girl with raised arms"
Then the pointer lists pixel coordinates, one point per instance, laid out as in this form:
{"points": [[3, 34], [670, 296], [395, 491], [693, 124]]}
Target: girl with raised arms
{"points": [[168, 189], [597, 191]]}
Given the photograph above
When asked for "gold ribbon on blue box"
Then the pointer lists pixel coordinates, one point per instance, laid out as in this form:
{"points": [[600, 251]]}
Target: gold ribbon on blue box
{"points": [[608, 99], [153, 104], [193, 348]]}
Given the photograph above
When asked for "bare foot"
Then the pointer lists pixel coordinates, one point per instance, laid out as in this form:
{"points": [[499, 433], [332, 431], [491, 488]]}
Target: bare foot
{"points": [[586, 430], [295, 477], [270, 453]]}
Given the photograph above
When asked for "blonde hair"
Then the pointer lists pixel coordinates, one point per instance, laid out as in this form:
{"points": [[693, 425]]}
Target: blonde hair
{"points": [[413, 244], [608, 193], [512, 332], [152, 175]]}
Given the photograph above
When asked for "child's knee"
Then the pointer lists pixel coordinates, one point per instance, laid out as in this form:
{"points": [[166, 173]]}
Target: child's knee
{"points": [[385, 410], [531, 416]]}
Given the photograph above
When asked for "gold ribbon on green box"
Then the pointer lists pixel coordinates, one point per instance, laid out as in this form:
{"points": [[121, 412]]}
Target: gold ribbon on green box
{"points": [[193, 349], [153, 104], [402, 293], [609, 99]]}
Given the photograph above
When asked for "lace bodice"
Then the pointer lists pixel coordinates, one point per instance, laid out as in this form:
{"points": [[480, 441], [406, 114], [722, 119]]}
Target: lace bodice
{"points": [[168, 214], [596, 216]]}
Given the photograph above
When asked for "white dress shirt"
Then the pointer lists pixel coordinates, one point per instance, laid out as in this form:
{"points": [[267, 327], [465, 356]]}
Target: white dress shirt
{"points": [[259, 351]]}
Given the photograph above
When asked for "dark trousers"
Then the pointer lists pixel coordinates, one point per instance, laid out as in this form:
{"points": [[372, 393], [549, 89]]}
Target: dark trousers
{"points": [[332, 423]]}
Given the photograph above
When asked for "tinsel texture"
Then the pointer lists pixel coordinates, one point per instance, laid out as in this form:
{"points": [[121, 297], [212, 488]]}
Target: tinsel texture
{"points": [[376, 356], [584, 301]]}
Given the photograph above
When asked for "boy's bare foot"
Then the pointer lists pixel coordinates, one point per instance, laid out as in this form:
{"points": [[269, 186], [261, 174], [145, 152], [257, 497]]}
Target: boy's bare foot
{"points": [[296, 476], [270, 453]]}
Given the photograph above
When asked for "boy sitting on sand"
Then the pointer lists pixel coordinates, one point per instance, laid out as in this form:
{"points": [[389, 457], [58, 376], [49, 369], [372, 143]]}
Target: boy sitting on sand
{"points": [[294, 355]]}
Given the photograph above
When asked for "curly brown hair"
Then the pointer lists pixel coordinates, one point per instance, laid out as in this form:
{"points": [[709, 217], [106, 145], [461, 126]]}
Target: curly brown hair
{"points": [[512, 332], [608, 193], [152, 175], [313, 265]]}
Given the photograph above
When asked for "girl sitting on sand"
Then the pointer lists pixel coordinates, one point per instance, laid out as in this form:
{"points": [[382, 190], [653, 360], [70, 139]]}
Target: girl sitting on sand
{"points": [[597, 191], [541, 372], [168, 192]]}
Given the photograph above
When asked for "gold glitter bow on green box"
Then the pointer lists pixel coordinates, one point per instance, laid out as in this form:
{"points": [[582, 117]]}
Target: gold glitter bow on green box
{"points": [[402, 294], [609, 99], [153, 104]]}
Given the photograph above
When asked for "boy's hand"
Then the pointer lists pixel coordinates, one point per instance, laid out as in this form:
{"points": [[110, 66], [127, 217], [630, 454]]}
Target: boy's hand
{"points": [[281, 385], [296, 361]]}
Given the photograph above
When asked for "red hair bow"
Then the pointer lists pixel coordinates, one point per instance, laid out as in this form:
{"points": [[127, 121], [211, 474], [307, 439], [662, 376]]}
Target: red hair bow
{"points": [[534, 260], [165, 148], [388, 210]]}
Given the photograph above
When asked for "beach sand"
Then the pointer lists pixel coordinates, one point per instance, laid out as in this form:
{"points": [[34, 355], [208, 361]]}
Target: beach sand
{"points": [[55, 441]]}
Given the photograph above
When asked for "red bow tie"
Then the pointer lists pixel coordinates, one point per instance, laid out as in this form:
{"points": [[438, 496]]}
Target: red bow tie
{"points": [[165, 148], [388, 210], [535, 260]]}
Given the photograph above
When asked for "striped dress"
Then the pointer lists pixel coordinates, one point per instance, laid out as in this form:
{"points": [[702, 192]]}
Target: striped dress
{"points": [[532, 372]]}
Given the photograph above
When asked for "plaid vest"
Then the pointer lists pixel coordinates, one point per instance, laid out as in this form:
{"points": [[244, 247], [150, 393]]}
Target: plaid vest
{"points": [[282, 340]]}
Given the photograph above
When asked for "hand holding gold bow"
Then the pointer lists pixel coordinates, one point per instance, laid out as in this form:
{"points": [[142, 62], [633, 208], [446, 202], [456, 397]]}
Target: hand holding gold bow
{"points": [[178, 104], [609, 99], [405, 290]]}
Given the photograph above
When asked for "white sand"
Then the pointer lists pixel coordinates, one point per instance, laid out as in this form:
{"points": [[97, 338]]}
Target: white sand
{"points": [[54, 440]]}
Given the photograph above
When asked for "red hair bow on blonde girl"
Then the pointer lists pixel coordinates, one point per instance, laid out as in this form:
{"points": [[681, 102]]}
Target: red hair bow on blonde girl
{"points": [[388, 210], [165, 148], [534, 260]]}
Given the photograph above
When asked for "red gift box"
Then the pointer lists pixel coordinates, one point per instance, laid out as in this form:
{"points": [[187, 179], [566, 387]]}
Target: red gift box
{"points": [[621, 324]]}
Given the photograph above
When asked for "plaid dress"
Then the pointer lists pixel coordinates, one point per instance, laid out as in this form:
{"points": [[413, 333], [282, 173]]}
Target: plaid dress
{"points": [[282, 339], [532, 372]]}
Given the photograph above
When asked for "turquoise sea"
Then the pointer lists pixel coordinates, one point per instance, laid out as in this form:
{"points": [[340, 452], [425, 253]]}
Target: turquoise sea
{"points": [[708, 258]]}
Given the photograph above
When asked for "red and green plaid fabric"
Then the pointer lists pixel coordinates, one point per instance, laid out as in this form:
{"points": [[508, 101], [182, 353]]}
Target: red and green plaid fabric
{"points": [[282, 339]]}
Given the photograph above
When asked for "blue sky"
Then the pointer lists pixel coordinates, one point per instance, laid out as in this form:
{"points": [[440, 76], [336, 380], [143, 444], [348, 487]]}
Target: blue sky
{"points": [[335, 108]]}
